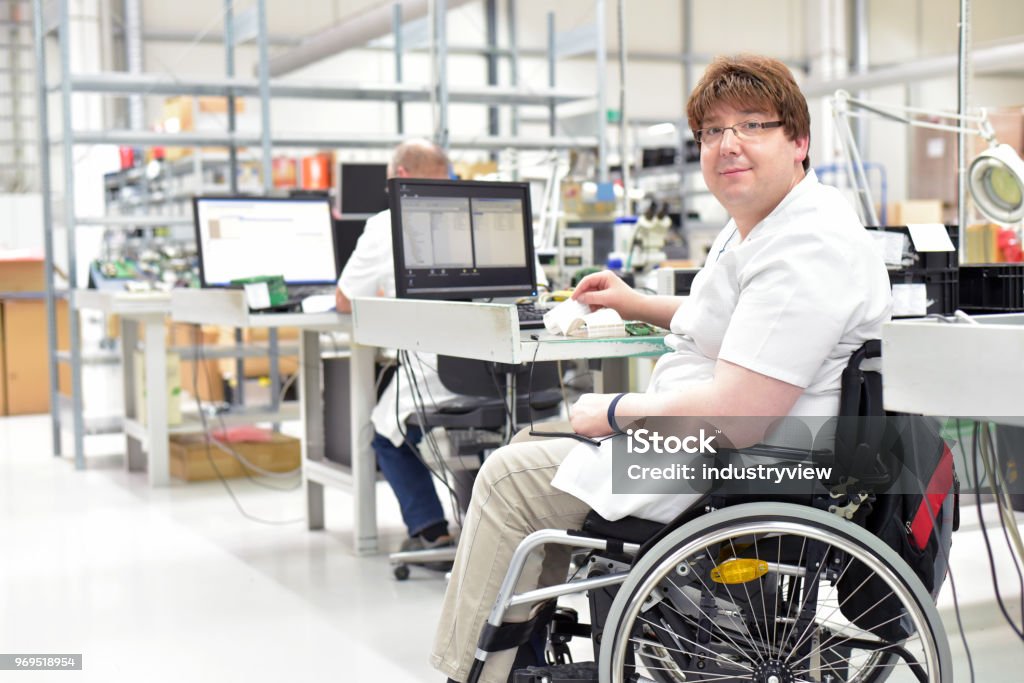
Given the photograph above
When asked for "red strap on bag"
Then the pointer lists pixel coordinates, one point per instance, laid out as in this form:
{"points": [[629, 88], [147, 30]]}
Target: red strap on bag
{"points": [[922, 526]]}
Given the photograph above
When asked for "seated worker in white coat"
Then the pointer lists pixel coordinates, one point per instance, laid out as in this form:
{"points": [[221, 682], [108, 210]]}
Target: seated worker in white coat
{"points": [[370, 271], [791, 288]]}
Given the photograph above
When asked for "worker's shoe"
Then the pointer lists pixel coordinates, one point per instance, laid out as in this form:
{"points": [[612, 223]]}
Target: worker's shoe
{"points": [[419, 543]]}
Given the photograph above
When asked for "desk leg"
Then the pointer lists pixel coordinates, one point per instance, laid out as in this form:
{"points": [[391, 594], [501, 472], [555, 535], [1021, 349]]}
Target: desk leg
{"points": [[135, 457], [362, 398], [611, 376], [312, 411], [156, 401]]}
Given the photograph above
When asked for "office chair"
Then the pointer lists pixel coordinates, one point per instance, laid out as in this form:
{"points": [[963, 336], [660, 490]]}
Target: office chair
{"points": [[480, 419]]}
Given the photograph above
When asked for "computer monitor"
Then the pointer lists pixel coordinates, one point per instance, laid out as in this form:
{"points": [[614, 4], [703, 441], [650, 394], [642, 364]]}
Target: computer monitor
{"points": [[240, 237], [460, 240], [362, 188], [347, 232]]}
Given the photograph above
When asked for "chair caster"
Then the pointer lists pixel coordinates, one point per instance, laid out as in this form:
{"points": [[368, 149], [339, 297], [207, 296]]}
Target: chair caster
{"points": [[401, 571]]}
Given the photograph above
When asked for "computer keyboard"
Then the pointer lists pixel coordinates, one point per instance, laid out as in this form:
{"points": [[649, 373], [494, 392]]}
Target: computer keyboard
{"points": [[300, 292], [530, 315]]}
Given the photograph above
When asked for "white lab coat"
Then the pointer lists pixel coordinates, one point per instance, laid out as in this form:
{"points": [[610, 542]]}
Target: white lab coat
{"points": [[791, 301]]}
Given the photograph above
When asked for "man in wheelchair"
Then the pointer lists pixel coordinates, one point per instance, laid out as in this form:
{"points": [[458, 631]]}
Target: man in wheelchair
{"points": [[791, 288]]}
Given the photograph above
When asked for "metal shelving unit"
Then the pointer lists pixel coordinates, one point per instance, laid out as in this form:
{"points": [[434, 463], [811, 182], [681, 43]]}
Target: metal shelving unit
{"points": [[120, 84], [17, 170]]}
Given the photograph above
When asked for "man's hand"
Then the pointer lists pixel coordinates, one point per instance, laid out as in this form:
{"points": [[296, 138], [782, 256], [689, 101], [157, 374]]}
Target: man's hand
{"points": [[605, 289], [342, 304], [589, 415]]}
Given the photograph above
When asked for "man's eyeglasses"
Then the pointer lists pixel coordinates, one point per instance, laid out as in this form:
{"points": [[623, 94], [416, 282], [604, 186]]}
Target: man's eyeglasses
{"points": [[744, 130]]}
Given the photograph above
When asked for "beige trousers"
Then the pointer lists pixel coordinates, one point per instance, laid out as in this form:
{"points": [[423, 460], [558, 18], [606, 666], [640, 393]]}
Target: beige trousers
{"points": [[512, 498]]}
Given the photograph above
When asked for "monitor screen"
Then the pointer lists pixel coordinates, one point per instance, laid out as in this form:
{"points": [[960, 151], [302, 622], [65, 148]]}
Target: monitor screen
{"points": [[346, 236], [362, 188], [240, 237], [461, 240]]}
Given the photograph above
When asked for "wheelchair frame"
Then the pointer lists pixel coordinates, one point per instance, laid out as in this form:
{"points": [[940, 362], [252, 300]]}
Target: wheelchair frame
{"points": [[860, 397], [636, 586]]}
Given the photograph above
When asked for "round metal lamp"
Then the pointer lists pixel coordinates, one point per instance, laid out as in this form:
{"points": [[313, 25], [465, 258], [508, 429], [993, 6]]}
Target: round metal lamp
{"points": [[996, 182]]}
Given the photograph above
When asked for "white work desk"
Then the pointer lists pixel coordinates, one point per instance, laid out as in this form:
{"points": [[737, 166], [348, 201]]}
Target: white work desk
{"points": [[147, 310], [485, 332], [146, 440], [956, 369], [228, 307], [470, 330]]}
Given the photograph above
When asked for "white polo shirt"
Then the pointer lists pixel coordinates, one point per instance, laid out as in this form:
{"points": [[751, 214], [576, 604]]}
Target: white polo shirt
{"points": [[792, 301]]}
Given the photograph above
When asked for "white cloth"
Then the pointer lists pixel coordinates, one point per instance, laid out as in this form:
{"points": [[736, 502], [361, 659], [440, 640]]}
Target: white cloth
{"points": [[370, 271], [791, 301]]}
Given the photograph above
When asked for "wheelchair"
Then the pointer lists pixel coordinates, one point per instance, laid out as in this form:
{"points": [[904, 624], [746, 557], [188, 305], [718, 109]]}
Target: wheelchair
{"points": [[738, 588]]}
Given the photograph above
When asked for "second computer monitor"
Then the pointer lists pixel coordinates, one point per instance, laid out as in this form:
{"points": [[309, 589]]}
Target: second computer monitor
{"points": [[239, 237], [462, 240]]}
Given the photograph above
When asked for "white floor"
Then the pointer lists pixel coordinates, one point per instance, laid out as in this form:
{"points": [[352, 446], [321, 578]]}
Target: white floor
{"points": [[176, 585]]}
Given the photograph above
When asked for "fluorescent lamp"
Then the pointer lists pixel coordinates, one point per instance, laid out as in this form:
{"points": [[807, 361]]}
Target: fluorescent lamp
{"points": [[662, 129]]}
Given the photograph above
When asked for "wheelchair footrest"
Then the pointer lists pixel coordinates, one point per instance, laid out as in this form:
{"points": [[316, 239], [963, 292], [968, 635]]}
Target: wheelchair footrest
{"points": [[580, 672]]}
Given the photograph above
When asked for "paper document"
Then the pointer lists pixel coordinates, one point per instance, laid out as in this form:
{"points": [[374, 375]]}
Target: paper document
{"points": [[930, 237], [573, 319]]}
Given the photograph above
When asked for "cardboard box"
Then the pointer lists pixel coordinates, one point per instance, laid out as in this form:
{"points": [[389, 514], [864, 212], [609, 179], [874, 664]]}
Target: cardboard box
{"points": [[915, 211], [1008, 125], [190, 456], [3, 366], [983, 243], [22, 274], [26, 369], [932, 172], [186, 112], [173, 386]]}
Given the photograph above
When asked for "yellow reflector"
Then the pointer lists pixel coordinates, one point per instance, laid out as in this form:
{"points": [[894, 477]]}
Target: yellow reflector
{"points": [[739, 570]]}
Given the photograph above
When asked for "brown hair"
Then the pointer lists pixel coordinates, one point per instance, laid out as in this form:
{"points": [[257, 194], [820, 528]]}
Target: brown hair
{"points": [[744, 81]]}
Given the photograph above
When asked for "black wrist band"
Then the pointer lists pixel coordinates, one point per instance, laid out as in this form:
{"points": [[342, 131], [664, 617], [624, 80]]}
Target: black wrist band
{"points": [[611, 413]]}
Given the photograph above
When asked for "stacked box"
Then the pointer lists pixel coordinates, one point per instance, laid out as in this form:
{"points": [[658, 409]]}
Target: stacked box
{"points": [[191, 454]]}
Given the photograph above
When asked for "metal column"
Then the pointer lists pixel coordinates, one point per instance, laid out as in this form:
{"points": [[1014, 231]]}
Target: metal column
{"points": [[513, 63], [963, 75], [491, 20], [268, 181], [552, 118], [396, 22], [42, 116], [229, 71], [441, 48], [67, 144], [687, 87], [623, 128], [601, 54]]}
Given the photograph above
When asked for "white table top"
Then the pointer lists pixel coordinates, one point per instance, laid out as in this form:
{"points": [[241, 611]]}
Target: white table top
{"points": [[959, 369], [480, 331], [228, 307], [123, 303]]}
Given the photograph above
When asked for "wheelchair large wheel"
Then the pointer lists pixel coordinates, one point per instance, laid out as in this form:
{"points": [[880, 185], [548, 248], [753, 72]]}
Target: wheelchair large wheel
{"points": [[749, 593]]}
